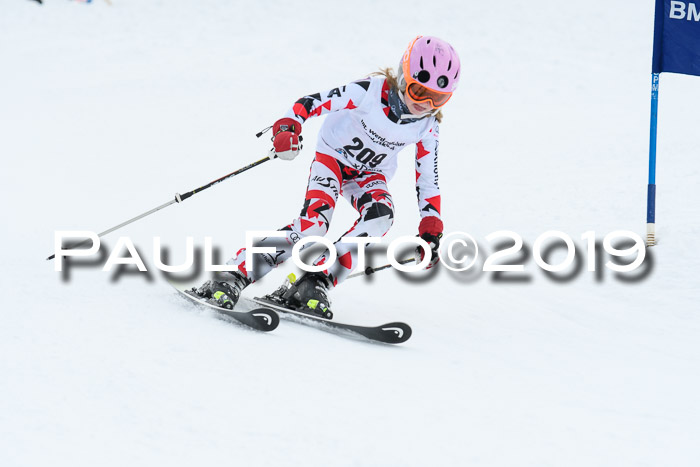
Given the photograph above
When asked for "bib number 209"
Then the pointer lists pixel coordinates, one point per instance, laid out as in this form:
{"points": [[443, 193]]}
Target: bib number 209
{"points": [[362, 154]]}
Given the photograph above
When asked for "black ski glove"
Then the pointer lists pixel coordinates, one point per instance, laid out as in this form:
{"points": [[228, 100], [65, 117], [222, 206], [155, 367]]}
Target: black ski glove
{"points": [[430, 230]]}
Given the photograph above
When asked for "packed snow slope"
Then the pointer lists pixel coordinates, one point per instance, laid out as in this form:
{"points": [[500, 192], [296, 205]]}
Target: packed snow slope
{"points": [[107, 111]]}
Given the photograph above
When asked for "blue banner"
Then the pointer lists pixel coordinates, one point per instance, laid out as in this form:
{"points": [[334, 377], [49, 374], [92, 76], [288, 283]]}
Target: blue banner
{"points": [[677, 37]]}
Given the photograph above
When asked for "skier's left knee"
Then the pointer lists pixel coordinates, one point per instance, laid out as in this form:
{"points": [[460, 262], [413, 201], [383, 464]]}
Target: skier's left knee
{"points": [[381, 216]]}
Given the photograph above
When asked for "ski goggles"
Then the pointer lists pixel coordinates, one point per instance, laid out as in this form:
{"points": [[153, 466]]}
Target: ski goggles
{"points": [[420, 94]]}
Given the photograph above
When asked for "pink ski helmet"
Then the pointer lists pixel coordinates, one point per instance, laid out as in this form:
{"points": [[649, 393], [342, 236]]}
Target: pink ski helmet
{"points": [[429, 71]]}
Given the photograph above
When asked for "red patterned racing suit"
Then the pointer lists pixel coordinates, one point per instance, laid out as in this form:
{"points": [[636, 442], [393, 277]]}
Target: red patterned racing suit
{"points": [[356, 155]]}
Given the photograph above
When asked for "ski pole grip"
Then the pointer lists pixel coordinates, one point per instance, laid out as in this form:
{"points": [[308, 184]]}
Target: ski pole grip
{"points": [[262, 132], [180, 198]]}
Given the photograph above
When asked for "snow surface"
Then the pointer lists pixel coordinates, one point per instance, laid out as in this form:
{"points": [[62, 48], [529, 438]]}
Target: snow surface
{"points": [[106, 111]]}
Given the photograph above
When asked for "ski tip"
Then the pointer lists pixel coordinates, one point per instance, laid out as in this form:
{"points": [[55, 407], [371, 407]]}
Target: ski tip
{"points": [[395, 333], [267, 319], [260, 318]]}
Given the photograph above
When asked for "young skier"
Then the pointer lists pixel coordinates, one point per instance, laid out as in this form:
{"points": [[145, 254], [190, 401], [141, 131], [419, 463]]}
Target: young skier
{"points": [[369, 122]]}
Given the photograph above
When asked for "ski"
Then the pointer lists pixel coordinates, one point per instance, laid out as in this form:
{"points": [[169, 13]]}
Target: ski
{"points": [[256, 317], [389, 333]]}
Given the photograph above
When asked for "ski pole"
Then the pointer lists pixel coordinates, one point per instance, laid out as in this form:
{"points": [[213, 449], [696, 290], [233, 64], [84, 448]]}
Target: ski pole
{"points": [[178, 199], [370, 270]]}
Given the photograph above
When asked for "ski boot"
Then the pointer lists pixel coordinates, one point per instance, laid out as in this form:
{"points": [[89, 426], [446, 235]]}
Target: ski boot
{"points": [[223, 293], [313, 295], [308, 294]]}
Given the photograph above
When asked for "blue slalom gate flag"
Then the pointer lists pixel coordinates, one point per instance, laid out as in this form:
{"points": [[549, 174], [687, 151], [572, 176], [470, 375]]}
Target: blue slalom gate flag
{"points": [[677, 37], [676, 50]]}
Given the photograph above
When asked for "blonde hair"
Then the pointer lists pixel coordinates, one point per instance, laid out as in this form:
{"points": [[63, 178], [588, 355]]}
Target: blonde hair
{"points": [[393, 81]]}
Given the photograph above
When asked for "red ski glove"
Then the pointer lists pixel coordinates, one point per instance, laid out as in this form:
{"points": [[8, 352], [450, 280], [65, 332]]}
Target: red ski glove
{"points": [[430, 230], [286, 137]]}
